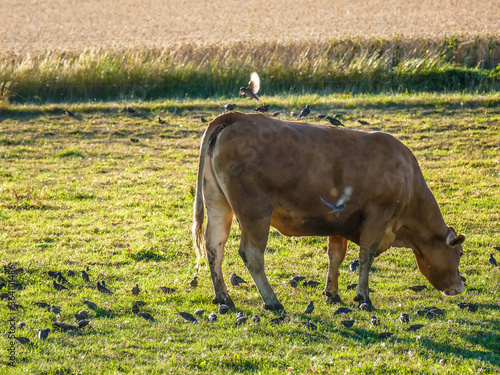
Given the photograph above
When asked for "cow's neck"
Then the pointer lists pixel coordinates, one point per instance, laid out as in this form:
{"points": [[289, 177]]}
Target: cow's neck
{"points": [[423, 223]]}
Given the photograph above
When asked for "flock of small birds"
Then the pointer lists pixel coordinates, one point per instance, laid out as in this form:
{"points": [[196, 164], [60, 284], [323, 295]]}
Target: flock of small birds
{"points": [[82, 318], [250, 91]]}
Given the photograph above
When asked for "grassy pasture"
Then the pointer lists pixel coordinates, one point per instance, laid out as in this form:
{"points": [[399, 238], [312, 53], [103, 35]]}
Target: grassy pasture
{"points": [[77, 192]]}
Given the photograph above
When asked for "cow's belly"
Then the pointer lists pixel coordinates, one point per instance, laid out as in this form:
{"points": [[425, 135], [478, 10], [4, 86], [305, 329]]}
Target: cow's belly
{"points": [[306, 225], [300, 226]]}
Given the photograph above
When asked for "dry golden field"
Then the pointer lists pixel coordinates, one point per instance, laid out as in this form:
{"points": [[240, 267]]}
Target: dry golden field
{"points": [[40, 25], [79, 50]]}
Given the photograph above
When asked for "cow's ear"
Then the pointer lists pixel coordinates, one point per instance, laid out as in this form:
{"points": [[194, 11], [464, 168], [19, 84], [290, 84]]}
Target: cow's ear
{"points": [[454, 239]]}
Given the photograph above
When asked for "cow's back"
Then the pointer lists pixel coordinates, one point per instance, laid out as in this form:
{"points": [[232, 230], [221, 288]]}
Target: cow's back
{"points": [[288, 167]]}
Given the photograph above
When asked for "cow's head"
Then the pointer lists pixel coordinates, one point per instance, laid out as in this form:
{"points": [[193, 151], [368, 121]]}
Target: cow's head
{"points": [[439, 262]]}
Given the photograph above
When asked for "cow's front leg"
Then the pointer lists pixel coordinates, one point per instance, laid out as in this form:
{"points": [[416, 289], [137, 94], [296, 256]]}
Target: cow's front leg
{"points": [[366, 257], [219, 218], [376, 237], [337, 247], [252, 247]]}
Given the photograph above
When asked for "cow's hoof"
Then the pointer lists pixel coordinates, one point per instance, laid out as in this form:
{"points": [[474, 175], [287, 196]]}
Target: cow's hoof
{"points": [[359, 298], [332, 299], [217, 301], [224, 301], [278, 307]]}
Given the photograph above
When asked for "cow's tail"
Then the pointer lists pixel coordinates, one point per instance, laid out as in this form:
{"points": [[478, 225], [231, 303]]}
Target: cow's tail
{"points": [[198, 209]]}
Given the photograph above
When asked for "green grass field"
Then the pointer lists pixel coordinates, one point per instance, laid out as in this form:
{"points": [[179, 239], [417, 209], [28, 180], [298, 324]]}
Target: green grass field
{"points": [[78, 192]]}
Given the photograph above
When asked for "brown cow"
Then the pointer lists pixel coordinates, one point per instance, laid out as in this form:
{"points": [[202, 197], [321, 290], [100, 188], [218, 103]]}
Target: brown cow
{"points": [[274, 173]]}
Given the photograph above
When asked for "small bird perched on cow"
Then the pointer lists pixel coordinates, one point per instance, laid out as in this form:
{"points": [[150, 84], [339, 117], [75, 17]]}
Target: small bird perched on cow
{"points": [[253, 87], [334, 121], [229, 107]]}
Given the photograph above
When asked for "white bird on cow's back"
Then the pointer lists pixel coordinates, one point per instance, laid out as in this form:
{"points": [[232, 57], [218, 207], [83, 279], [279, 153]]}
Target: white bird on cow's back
{"points": [[341, 203]]}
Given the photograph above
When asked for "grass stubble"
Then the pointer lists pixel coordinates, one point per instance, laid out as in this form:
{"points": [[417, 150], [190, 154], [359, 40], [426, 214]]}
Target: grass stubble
{"points": [[77, 192]]}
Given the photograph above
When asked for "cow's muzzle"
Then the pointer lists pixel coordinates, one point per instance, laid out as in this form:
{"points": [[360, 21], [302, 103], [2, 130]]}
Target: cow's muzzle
{"points": [[454, 292]]}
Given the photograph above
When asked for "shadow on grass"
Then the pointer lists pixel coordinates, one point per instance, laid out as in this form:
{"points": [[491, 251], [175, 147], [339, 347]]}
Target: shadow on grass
{"points": [[147, 255], [429, 106]]}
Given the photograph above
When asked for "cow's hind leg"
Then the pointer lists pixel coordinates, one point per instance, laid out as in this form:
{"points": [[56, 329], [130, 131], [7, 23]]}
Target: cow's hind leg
{"points": [[219, 217], [254, 237], [337, 247]]}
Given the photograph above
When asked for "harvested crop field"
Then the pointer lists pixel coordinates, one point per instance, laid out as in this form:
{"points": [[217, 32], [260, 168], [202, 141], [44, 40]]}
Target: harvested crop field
{"points": [[56, 51], [128, 24]]}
